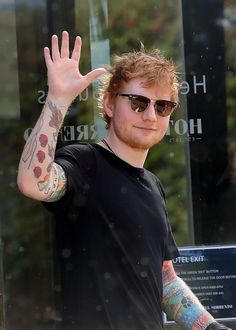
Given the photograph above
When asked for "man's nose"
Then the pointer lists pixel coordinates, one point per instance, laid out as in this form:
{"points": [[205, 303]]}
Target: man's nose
{"points": [[150, 113]]}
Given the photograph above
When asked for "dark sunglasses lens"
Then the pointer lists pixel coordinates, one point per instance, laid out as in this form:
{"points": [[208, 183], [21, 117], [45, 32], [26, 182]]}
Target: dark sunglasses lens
{"points": [[164, 108], [139, 103]]}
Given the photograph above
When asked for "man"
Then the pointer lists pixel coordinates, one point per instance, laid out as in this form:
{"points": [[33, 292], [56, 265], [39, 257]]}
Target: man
{"points": [[113, 233]]}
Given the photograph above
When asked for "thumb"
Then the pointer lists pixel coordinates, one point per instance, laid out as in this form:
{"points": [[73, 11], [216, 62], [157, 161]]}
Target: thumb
{"points": [[92, 75]]}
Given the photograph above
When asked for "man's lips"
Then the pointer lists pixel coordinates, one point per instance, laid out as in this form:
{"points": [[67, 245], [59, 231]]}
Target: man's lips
{"points": [[146, 128]]}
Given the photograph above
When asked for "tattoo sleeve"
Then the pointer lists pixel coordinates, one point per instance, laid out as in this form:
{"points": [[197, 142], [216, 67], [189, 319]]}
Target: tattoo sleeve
{"points": [[55, 187], [37, 161], [180, 304]]}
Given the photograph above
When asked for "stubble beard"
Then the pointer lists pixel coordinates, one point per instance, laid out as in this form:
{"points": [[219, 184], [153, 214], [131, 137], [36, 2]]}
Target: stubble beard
{"points": [[134, 142]]}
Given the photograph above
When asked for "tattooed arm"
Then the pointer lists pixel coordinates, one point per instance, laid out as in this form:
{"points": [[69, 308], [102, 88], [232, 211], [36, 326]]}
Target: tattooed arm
{"points": [[38, 176], [180, 304]]}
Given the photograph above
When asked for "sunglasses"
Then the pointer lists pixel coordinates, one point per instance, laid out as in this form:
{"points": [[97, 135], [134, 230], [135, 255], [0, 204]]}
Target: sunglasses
{"points": [[140, 103]]}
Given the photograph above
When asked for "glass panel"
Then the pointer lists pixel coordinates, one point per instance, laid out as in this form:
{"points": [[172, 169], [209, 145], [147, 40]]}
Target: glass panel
{"points": [[9, 94], [25, 229], [196, 161], [210, 66]]}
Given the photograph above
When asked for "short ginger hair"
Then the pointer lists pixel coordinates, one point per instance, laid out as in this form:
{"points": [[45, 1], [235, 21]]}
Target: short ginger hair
{"points": [[150, 66]]}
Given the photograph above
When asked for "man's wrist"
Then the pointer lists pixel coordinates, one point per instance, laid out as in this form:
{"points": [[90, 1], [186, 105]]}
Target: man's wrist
{"points": [[217, 326], [60, 102]]}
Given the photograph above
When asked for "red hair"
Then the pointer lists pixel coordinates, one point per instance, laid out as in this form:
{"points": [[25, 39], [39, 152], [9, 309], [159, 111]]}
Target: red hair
{"points": [[152, 67]]}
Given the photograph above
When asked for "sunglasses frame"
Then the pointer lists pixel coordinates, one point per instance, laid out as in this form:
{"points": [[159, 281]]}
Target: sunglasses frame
{"points": [[156, 103]]}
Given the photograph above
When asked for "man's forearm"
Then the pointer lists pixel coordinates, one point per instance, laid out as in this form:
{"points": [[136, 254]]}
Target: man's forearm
{"points": [[35, 168], [183, 306]]}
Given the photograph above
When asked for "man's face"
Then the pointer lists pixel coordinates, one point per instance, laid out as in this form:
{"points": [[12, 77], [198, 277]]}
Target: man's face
{"points": [[140, 130]]}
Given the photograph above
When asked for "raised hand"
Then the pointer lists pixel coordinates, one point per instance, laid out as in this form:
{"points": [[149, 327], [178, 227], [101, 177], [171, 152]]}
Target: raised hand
{"points": [[65, 82], [38, 176]]}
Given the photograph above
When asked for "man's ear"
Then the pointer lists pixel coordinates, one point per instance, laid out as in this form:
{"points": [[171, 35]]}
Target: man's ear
{"points": [[108, 105]]}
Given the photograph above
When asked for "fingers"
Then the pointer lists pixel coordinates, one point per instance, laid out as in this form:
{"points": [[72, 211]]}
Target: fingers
{"points": [[94, 74], [65, 45], [47, 56], [55, 48], [77, 49], [65, 52]]}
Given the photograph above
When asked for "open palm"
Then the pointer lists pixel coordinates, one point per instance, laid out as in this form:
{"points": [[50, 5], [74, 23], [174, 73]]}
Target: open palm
{"points": [[65, 82]]}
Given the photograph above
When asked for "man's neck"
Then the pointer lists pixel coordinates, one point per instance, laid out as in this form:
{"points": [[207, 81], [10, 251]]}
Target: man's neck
{"points": [[134, 157]]}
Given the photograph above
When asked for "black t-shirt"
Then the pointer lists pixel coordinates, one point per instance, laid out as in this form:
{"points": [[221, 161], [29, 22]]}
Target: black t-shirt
{"points": [[113, 235]]}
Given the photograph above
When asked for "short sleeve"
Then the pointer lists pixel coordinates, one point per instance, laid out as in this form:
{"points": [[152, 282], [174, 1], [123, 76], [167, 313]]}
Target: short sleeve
{"points": [[171, 250], [78, 163]]}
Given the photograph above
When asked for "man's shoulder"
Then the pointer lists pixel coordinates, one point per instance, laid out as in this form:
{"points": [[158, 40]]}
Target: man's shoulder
{"points": [[74, 149], [152, 176], [79, 155]]}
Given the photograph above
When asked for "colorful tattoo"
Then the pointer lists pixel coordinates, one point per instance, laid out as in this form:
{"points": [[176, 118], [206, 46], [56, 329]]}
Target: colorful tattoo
{"points": [[180, 304], [44, 185], [168, 272], [36, 136], [54, 184], [52, 180]]}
